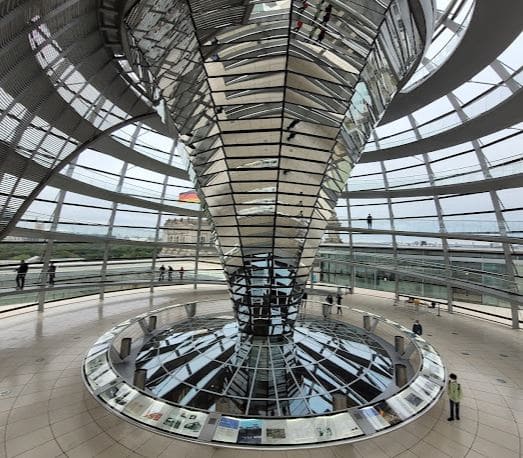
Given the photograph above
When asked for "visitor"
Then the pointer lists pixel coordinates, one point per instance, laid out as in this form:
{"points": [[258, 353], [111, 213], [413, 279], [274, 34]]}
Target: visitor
{"points": [[417, 328], [181, 271], [417, 303], [325, 307], [299, 25], [326, 18], [162, 273], [329, 301], [170, 271], [369, 221], [455, 394], [21, 273], [51, 272], [304, 300], [338, 303]]}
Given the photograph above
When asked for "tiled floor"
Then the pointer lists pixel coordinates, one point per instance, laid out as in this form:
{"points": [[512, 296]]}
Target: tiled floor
{"points": [[46, 412]]}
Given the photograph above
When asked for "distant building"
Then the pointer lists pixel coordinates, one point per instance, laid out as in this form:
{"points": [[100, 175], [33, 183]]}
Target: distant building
{"points": [[332, 236], [39, 225], [184, 231], [15, 238]]}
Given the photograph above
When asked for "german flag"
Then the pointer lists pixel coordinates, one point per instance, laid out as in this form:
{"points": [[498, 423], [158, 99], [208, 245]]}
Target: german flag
{"points": [[189, 196]]}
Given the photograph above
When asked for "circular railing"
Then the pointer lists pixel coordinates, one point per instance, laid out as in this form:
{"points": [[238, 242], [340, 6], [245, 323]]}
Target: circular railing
{"points": [[109, 374]]}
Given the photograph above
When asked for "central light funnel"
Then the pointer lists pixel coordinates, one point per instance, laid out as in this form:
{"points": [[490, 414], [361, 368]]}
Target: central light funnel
{"points": [[275, 101]]}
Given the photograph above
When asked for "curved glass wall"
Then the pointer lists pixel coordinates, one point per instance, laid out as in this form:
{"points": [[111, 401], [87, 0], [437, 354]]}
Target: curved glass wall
{"points": [[453, 18], [121, 204]]}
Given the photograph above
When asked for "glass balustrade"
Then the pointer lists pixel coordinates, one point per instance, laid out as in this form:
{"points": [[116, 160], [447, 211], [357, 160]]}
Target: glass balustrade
{"points": [[443, 44], [425, 266], [505, 167], [432, 225]]}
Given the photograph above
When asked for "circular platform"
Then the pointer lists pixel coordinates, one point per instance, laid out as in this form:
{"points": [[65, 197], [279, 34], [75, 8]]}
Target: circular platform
{"points": [[328, 382]]}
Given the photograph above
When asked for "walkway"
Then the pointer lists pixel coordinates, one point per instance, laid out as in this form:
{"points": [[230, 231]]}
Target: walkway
{"points": [[465, 61], [46, 412]]}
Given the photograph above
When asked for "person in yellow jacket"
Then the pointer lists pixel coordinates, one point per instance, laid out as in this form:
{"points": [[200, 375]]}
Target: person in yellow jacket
{"points": [[455, 394]]}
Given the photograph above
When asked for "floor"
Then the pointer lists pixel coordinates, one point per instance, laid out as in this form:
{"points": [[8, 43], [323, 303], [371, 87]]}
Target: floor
{"points": [[46, 412]]}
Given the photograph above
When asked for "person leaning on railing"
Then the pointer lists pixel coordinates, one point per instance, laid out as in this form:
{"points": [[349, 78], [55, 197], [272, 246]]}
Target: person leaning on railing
{"points": [[21, 272], [51, 272]]}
